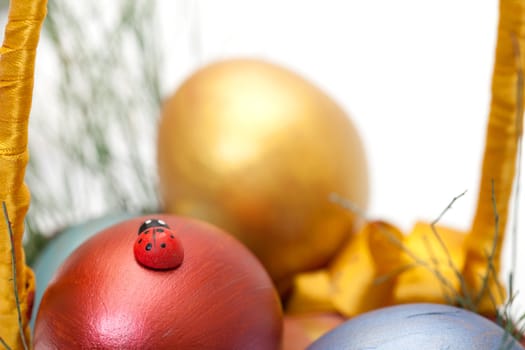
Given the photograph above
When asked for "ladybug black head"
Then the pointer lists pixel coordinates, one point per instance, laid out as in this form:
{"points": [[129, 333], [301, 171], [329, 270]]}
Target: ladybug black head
{"points": [[152, 223]]}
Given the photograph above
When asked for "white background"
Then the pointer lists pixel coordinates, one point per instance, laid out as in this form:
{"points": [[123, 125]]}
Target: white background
{"points": [[414, 76]]}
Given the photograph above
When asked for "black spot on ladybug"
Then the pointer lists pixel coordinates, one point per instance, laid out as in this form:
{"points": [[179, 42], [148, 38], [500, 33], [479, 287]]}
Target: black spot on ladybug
{"points": [[148, 247], [163, 245], [140, 241], [172, 236], [159, 230]]}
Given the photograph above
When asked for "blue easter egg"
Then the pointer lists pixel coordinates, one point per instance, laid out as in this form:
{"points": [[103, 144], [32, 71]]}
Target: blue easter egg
{"points": [[417, 327], [59, 248]]}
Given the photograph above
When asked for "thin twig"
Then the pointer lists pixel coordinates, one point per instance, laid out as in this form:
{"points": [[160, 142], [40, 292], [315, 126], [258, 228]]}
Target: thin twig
{"points": [[505, 320], [436, 265], [444, 247], [4, 344], [392, 274], [448, 207], [347, 204], [490, 255], [95, 151], [15, 283], [417, 260], [352, 207]]}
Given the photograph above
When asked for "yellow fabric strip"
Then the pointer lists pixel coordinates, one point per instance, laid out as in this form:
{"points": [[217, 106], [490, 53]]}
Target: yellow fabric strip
{"points": [[499, 160], [17, 59]]}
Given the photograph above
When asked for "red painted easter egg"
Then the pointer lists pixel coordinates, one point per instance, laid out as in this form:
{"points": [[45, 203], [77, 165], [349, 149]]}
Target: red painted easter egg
{"points": [[217, 297]]}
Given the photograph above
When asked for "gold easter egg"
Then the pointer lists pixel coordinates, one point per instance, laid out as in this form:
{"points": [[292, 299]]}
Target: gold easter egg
{"points": [[257, 150]]}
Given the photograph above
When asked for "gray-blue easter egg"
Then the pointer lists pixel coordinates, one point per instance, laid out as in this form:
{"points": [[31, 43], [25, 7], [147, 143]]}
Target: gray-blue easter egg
{"points": [[417, 327]]}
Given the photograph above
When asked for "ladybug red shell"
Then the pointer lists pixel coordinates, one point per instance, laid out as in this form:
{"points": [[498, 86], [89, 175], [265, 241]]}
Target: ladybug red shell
{"points": [[157, 246]]}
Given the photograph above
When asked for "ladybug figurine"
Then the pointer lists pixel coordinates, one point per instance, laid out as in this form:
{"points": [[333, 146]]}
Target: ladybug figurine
{"points": [[157, 246]]}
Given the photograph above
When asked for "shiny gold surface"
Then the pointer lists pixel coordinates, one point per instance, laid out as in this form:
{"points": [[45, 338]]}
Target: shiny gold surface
{"points": [[257, 150]]}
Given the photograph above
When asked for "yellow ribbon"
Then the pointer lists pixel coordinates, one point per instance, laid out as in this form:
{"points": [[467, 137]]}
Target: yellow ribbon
{"points": [[499, 162], [17, 60]]}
